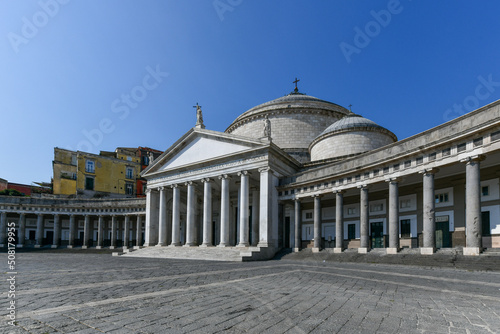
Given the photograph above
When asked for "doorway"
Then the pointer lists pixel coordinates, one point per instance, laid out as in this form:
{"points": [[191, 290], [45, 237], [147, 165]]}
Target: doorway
{"points": [[377, 234], [443, 239]]}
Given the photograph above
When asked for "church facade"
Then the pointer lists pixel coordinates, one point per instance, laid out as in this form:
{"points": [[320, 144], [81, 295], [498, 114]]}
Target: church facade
{"points": [[299, 172]]}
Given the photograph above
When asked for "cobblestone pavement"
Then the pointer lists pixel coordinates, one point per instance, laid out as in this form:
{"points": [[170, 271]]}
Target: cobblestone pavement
{"points": [[98, 293]]}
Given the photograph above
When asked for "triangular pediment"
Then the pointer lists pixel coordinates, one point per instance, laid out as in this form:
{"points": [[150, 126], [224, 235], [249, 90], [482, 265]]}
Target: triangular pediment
{"points": [[201, 146]]}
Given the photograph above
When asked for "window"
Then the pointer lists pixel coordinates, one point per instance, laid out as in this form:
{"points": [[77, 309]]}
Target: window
{"points": [[73, 159], [367, 175], [442, 198], [351, 231], [89, 166], [395, 167], [145, 160], [461, 147], [420, 160], [351, 211], [130, 173], [349, 179], [375, 172], [129, 188], [485, 191], [376, 207], [309, 215], [89, 183], [478, 141], [405, 203], [432, 156], [407, 163], [129, 158], [485, 223], [495, 136], [446, 152], [358, 177], [405, 228], [386, 170]]}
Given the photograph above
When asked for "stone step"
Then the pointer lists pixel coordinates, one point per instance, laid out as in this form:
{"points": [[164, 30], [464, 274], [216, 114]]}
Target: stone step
{"points": [[197, 253]]}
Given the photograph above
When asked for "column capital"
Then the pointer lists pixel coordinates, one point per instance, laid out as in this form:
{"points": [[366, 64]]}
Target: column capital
{"points": [[55, 215], [340, 192], [189, 183], [393, 180], [21, 214], [224, 176], [148, 191], [364, 186], [473, 158], [429, 171], [296, 199], [317, 195], [162, 188], [175, 185], [206, 179], [244, 172]]}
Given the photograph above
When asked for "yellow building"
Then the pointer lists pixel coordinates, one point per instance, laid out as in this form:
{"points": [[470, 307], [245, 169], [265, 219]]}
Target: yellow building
{"points": [[109, 174]]}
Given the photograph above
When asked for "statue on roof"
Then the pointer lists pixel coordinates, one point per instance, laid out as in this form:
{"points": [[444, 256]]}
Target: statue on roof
{"points": [[199, 116], [267, 127], [151, 158]]}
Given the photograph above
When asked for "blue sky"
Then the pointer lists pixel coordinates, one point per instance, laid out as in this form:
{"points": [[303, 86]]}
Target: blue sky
{"points": [[93, 75]]}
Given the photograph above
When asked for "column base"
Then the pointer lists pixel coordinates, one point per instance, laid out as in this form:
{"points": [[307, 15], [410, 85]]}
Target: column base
{"points": [[427, 250], [391, 250], [190, 245], [147, 244], [38, 246], [363, 250], [69, 246], [315, 250], [242, 245], [20, 246], [472, 251], [161, 245], [54, 246], [337, 250], [206, 245], [296, 250], [223, 245], [112, 247], [137, 247], [83, 247], [125, 247], [263, 244], [98, 247], [177, 244]]}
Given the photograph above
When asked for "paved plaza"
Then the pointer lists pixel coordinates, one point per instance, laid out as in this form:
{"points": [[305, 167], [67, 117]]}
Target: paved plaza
{"points": [[68, 292]]}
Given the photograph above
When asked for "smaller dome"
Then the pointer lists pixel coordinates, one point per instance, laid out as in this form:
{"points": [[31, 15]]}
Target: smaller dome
{"points": [[352, 134], [353, 121]]}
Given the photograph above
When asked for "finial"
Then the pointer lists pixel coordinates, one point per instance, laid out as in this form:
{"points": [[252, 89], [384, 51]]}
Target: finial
{"points": [[350, 108], [296, 90]]}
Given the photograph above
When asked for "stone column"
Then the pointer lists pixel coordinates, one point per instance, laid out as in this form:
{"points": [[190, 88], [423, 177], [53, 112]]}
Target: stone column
{"points": [[393, 217], [207, 213], [429, 229], [190, 216], [57, 232], [298, 226], [268, 210], [152, 217], [3, 229], [363, 220], [100, 232], [162, 231], [224, 211], [176, 216], [339, 222], [317, 224], [87, 233], [138, 232], [72, 231], [113, 233], [39, 231], [255, 217], [126, 232], [22, 231], [473, 224], [244, 204]]}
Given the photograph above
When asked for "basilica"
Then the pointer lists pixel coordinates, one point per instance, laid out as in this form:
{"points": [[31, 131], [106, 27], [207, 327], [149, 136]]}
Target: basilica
{"points": [[300, 172], [296, 172]]}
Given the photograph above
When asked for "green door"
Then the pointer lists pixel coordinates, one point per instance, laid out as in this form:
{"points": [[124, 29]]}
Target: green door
{"points": [[377, 234], [443, 234]]}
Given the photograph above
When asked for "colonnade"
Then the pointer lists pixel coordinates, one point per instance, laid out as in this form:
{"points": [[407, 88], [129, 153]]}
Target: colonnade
{"points": [[472, 206], [130, 223], [162, 231]]}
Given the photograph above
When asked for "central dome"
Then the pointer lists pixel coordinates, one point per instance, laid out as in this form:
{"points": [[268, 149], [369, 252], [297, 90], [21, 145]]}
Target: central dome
{"points": [[296, 120]]}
